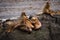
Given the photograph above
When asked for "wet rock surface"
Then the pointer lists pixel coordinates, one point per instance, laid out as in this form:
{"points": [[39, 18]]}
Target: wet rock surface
{"points": [[50, 30]]}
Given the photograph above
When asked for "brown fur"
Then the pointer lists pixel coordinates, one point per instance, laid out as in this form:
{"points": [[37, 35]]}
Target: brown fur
{"points": [[11, 25], [36, 22], [26, 21], [47, 10]]}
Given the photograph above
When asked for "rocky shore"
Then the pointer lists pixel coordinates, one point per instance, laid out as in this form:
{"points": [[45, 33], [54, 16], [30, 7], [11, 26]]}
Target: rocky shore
{"points": [[50, 30]]}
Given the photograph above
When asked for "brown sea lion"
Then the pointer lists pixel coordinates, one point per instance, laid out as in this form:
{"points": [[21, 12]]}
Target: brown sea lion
{"points": [[11, 25], [26, 22], [47, 10], [37, 24]]}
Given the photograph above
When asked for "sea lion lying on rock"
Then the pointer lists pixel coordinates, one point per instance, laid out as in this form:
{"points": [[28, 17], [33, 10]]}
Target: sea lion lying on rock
{"points": [[10, 25], [35, 22], [47, 10], [26, 21]]}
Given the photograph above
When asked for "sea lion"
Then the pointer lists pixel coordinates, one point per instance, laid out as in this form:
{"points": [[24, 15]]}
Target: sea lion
{"points": [[11, 25], [37, 24], [26, 21]]}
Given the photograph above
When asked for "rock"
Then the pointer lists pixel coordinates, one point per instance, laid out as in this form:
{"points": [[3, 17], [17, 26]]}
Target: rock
{"points": [[53, 25], [50, 30]]}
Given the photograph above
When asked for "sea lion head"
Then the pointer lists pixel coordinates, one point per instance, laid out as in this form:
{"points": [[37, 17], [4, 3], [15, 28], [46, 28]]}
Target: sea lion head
{"points": [[23, 14]]}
